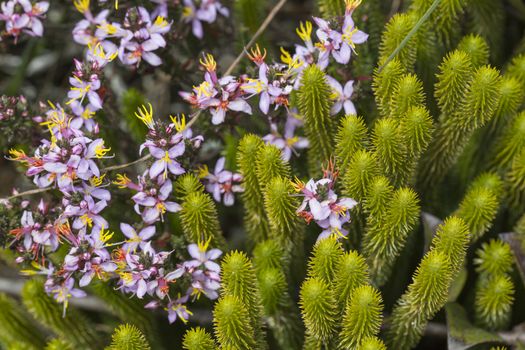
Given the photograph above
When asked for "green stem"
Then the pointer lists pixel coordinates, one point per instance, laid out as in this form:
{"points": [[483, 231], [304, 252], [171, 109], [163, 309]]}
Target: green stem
{"points": [[411, 33]]}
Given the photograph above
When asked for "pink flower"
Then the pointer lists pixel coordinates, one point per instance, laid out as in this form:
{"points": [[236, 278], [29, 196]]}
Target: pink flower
{"points": [[223, 183], [342, 96]]}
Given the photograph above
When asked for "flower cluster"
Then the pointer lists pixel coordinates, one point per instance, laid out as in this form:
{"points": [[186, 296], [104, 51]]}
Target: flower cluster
{"points": [[322, 205], [222, 184], [23, 16], [207, 11], [288, 143], [135, 39]]}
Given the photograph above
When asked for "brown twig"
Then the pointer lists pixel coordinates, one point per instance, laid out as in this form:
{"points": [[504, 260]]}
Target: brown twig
{"points": [[230, 69]]}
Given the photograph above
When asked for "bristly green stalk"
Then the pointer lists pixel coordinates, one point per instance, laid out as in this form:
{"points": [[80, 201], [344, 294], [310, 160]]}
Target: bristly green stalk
{"points": [[425, 296], [454, 131], [359, 173], [487, 19], [479, 208], [395, 31], [273, 288], [58, 344], [268, 254], [453, 78], [362, 318], [17, 326], [385, 237], [351, 136], [255, 220], [389, 149], [515, 181], [489, 181], [325, 259], [200, 221], [452, 239], [509, 144], [512, 96], [186, 184], [516, 69], [417, 126], [494, 258], [520, 226], [408, 93], [72, 326], [313, 99], [444, 19], [238, 278], [232, 325], [351, 272], [477, 48], [280, 205], [384, 84], [318, 309], [331, 8], [128, 337], [198, 339], [372, 343], [494, 299], [378, 196], [270, 164]]}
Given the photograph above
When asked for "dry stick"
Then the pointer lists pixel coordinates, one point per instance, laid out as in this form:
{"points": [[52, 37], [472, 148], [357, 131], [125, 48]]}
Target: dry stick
{"points": [[230, 69]]}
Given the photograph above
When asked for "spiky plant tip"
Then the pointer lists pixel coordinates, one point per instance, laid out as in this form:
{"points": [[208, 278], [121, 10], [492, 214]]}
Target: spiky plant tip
{"points": [[476, 47], [268, 254], [270, 164], [128, 337], [372, 343], [186, 184], [516, 69], [318, 308], [384, 83], [451, 239], [273, 287], [418, 126], [58, 344], [494, 258], [362, 169], [351, 136], [494, 299], [198, 339], [395, 32], [362, 318], [352, 272], [378, 196], [408, 93], [388, 147], [325, 259], [200, 220], [232, 324], [281, 209]]}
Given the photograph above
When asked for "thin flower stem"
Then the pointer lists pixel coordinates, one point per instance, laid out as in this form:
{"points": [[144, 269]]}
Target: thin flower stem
{"points": [[230, 69], [414, 30]]}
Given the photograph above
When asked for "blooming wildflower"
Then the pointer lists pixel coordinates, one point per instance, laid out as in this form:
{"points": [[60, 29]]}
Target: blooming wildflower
{"points": [[342, 96], [322, 205], [222, 183], [64, 291], [135, 239], [23, 16], [154, 202], [288, 143], [177, 309]]}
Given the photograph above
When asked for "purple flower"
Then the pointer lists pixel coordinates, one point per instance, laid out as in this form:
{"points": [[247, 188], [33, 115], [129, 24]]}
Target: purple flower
{"points": [[227, 102], [166, 160], [222, 183], [342, 96], [64, 291], [288, 143], [135, 239], [81, 89], [154, 203], [177, 309]]}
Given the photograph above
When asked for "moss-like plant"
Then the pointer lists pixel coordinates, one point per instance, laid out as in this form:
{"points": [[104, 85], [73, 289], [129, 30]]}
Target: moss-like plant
{"points": [[313, 100], [479, 208], [198, 339], [396, 30], [378, 196], [451, 239], [248, 12], [424, 297], [199, 219], [58, 344], [331, 8], [128, 337], [494, 298], [17, 326], [232, 324], [389, 149], [280, 207], [352, 272], [516, 69], [384, 83], [494, 258], [408, 93], [268, 254], [515, 181], [270, 164], [71, 326], [318, 309], [238, 279], [357, 176], [372, 343], [385, 237], [325, 259], [255, 219], [351, 136], [186, 184], [362, 318], [477, 48], [510, 143]]}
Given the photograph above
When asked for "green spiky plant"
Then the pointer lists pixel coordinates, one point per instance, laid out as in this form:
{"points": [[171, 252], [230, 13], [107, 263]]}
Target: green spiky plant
{"points": [[128, 337]]}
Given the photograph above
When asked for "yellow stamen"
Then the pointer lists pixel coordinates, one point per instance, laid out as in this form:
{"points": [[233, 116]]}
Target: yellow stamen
{"points": [[305, 31], [202, 171], [179, 122], [101, 151], [256, 55], [187, 12], [347, 37], [160, 22], [146, 116], [209, 63], [297, 184], [122, 181], [105, 235], [86, 220], [108, 28], [97, 181], [82, 6], [351, 5], [203, 246], [203, 89], [292, 141], [17, 155], [285, 57]]}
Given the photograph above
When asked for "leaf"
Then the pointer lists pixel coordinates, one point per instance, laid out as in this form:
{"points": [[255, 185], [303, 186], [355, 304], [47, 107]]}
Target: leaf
{"points": [[462, 334], [430, 225], [457, 284], [517, 244]]}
